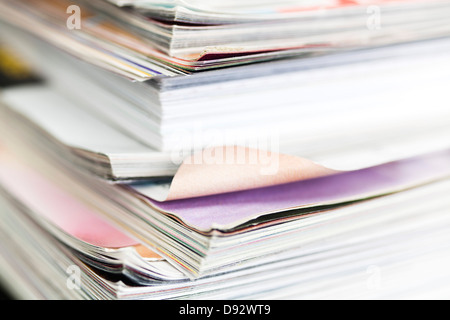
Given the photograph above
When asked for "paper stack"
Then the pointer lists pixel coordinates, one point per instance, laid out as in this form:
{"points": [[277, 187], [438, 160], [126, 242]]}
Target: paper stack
{"points": [[225, 150]]}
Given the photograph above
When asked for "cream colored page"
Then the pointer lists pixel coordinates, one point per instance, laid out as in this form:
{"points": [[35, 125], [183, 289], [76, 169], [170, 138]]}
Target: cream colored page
{"points": [[234, 168]]}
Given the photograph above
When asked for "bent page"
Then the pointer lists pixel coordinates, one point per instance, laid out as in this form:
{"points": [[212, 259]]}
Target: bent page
{"points": [[228, 211]]}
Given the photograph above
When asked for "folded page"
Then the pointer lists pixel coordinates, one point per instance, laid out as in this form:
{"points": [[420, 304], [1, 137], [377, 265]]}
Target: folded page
{"points": [[227, 211]]}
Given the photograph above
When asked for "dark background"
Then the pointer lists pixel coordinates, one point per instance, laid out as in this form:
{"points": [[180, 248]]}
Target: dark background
{"points": [[4, 295]]}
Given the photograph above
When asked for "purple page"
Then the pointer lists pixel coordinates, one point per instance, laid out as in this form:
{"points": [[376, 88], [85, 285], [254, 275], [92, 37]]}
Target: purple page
{"points": [[229, 210]]}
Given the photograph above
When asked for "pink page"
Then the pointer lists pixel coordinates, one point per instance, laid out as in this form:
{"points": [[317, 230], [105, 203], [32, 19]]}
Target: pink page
{"points": [[59, 207]]}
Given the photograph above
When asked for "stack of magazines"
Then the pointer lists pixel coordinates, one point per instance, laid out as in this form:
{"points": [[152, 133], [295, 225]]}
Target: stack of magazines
{"points": [[205, 149]]}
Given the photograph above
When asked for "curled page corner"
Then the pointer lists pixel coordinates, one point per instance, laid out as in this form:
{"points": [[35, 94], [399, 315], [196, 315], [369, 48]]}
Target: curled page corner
{"points": [[228, 169]]}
